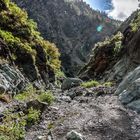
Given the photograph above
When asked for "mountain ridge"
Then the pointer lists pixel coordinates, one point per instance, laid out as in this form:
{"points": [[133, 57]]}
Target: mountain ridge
{"points": [[72, 26]]}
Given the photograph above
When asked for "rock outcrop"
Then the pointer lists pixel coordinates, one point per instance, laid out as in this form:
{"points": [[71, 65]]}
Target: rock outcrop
{"points": [[24, 54], [11, 79], [114, 58], [129, 90], [72, 26]]}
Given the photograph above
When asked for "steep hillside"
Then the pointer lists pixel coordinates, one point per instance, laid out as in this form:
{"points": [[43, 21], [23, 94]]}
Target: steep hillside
{"points": [[117, 59], [113, 58], [22, 47], [72, 26], [28, 66]]}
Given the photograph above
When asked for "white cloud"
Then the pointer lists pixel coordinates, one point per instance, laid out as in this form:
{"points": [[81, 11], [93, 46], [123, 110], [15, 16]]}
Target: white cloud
{"points": [[123, 8]]}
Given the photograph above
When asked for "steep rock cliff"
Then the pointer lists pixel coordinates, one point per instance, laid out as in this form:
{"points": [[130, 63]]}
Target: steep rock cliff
{"points": [[72, 26]]}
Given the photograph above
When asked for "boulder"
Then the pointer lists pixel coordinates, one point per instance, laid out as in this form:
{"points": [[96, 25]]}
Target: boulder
{"points": [[65, 98], [71, 94], [132, 92], [73, 135], [70, 83], [41, 138], [135, 105], [129, 90], [128, 80]]}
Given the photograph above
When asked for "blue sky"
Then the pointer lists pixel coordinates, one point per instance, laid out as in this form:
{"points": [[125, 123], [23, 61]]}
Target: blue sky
{"points": [[118, 9], [100, 4]]}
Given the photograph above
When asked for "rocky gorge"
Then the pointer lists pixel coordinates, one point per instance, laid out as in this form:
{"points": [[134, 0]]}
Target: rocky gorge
{"points": [[72, 26], [39, 102]]}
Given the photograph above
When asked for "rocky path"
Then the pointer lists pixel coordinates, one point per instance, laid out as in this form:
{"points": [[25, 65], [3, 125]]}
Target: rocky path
{"points": [[95, 118]]}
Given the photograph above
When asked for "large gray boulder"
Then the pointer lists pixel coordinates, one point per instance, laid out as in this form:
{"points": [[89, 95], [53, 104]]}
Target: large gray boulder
{"points": [[129, 90], [128, 80], [135, 105], [70, 83], [132, 92]]}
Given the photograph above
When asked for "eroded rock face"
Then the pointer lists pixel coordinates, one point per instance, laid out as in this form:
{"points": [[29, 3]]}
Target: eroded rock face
{"points": [[71, 25], [129, 90], [11, 79], [128, 80]]}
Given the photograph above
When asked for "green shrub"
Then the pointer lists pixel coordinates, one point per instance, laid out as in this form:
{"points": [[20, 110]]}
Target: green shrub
{"points": [[32, 116], [13, 127], [46, 97], [28, 94], [21, 35], [32, 94], [115, 38], [90, 84]]}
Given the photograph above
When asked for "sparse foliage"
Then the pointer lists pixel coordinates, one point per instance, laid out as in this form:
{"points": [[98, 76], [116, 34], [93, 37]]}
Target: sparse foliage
{"points": [[46, 97], [32, 116], [90, 84]]}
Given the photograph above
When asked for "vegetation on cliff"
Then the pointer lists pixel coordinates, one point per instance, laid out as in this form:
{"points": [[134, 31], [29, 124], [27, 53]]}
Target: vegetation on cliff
{"points": [[102, 55], [135, 23], [22, 37], [115, 56]]}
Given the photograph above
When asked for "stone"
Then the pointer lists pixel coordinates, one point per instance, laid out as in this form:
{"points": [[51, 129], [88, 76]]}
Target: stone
{"points": [[74, 92], [70, 83], [66, 99], [135, 105], [128, 80], [131, 93], [73, 135], [129, 90], [105, 65], [5, 98], [71, 94], [41, 138]]}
